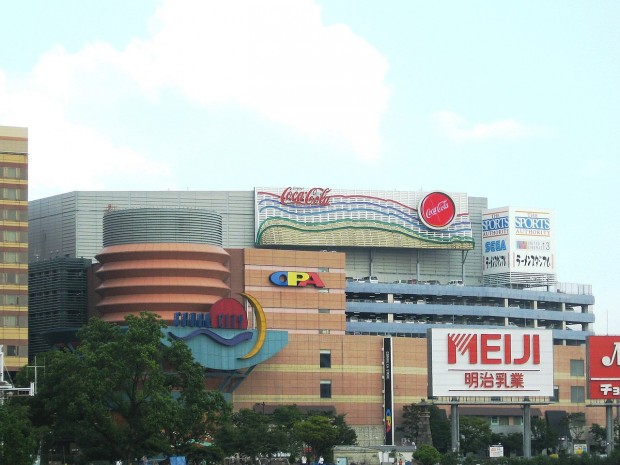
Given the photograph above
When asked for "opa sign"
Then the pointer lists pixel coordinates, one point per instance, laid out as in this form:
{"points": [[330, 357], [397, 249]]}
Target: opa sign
{"points": [[296, 279]]}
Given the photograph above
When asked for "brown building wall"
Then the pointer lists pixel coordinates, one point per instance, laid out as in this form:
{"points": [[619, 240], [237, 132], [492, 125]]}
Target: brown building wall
{"points": [[315, 320]]}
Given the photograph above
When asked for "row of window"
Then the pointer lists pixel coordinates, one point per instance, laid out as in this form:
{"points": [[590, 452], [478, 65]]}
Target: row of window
{"points": [[13, 299], [11, 193], [14, 236], [14, 321], [13, 172], [13, 278], [504, 420], [577, 396], [577, 393], [13, 215], [13, 257], [15, 351]]}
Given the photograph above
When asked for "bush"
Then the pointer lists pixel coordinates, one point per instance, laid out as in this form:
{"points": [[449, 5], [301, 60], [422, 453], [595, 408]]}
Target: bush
{"points": [[427, 455]]}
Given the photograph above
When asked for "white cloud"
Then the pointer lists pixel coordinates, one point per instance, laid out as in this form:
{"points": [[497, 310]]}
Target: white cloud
{"points": [[276, 58], [64, 153], [457, 128]]}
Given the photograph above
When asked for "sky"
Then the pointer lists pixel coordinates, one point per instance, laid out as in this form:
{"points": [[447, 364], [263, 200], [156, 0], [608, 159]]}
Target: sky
{"points": [[518, 102]]}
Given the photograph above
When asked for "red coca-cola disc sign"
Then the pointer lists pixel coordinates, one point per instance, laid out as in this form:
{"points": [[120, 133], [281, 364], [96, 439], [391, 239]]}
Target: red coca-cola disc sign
{"points": [[437, 210]]}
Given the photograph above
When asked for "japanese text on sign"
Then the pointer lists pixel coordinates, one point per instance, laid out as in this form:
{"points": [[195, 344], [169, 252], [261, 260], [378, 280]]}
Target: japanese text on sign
{"points": [[490, 380]]}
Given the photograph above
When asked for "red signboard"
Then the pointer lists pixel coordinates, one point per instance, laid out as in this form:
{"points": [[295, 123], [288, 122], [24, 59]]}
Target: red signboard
{"points": [[604, 367], [437, 210]]}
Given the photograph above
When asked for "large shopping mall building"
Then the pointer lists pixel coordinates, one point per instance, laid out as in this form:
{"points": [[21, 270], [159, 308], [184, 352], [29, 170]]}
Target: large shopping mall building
{"points": [[319, 297]]}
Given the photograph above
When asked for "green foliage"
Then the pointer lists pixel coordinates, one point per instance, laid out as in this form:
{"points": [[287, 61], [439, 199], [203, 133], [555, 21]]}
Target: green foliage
{"points": [[599, 437], [475, 434], [318, 432], [288, 430], [544, 438], [411, 423], [427, 455], [441, 431], [513, 443], [439, 424], [123, 394], [18, 444]]}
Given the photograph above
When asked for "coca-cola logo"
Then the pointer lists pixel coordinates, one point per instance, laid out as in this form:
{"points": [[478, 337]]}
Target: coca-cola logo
{"points": [[317, 196], [437, 210]]}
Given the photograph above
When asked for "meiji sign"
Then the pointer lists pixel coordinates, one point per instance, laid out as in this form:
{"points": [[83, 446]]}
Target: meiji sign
{"points": [[483, 363], [493, 348], [604, 367]]}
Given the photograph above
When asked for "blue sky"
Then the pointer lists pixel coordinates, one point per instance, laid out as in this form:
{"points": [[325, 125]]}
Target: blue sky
{"points": [[514, 101]]}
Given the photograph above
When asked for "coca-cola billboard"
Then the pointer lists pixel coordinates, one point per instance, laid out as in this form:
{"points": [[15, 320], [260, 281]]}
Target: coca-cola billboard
{"points": [[604, 367], [316, 196], [330, 218], [490, 362], [437, 210]]}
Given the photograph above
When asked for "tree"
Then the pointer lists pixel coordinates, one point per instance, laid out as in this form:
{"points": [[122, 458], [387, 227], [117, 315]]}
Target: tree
{"points": [[253, 438], [441, 432], [475, 434], [283, 421], [513, 443], [123, 394], [543, 436], [427, 454], [319, 433], [599, 437], [576, 424], [411, 422], [346, 434], [18, 444]]}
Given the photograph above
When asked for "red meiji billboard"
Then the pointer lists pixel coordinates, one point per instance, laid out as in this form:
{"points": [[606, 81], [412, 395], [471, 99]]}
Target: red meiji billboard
{"points": [[437, 210], [604, 367], [490, 362]]}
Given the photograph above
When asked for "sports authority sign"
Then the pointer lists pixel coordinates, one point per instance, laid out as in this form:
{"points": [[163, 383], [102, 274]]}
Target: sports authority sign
{"points": [[603, 367], [490, 362]]}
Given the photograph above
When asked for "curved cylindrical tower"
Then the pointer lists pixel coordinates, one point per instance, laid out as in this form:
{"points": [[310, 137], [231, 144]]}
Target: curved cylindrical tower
{"points": [[162, 225], [161, 261]]}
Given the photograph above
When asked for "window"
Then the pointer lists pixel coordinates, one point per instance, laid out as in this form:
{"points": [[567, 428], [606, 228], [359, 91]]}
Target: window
{"points": [[9, 321], [577, 394], [326, 359], [576, 368], [12, 351], [323, 310], [556, 394], [11, 172], [326, 389], [518, 421]]}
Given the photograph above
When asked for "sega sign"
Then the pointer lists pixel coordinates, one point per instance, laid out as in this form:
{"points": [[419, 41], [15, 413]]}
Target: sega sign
{"points": [[603, 367], [296, 279], [495, 246], [490, 362]]}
